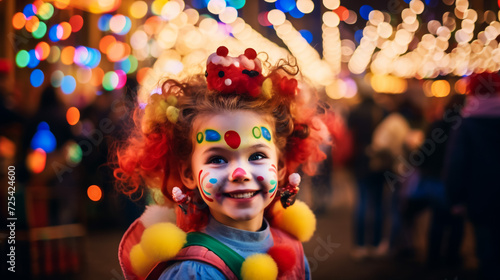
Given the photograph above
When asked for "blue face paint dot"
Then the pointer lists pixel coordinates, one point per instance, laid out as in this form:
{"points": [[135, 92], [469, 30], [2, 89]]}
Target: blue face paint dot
{"points": [[266, 134], [213, 181], [212, 135]]}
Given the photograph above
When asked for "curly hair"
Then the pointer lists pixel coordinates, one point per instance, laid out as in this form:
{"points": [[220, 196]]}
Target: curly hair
{"points": [[151, 155]]}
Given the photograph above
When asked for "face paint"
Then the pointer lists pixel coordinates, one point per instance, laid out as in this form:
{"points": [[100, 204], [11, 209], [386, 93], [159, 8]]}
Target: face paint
{"points": [[203, 192], [273, 182], [232, 139], [236, 161]]}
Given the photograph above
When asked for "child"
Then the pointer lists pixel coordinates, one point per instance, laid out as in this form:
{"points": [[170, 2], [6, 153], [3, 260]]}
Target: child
{"points": [[230, 141]]}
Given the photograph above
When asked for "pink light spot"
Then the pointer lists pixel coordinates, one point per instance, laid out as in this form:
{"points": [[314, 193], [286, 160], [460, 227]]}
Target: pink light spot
{"points": [[260, 178]]}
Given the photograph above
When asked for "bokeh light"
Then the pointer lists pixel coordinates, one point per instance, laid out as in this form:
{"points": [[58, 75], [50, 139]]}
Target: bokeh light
{"points": [[110, 81], [76, 23], [440, 88], [22, 58], [74, 154], [103, 22], [33, 61], [18, 20], [32, 23], [94, 193], [331, 4], [46, 11], [43, 138], [36, 160], [67, 55], [285, 5], [37, 77], [365, 11], [307, 35], [138, 9], [40, 31], [73, 115], [56, 78], [68, 84]]}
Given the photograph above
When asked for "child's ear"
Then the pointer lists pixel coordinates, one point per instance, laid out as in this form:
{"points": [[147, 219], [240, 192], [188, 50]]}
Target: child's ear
{"points": [[187, 176]]}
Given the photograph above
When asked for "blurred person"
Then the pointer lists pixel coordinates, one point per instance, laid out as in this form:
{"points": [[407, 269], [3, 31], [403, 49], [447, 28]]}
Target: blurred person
{"points": [[362, 121], [427, 191], [472, 168]]}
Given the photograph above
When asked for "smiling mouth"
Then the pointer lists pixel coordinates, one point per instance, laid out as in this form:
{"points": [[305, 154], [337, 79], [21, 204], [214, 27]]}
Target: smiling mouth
{"points": [[241, 195]]}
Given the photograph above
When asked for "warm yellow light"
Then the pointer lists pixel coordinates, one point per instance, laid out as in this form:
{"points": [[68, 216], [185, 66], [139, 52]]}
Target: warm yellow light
{"points": [[171, 10], [216, 6], [440, 88], [305, 6], [276, 17], [138, 9], [229, 15], [331, 19], [331, 4]]}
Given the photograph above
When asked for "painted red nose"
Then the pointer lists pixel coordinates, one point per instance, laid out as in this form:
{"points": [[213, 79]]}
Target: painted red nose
{"points": [[239, 174]]}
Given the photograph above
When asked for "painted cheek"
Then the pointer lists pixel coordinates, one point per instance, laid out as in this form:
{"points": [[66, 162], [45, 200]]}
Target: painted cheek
{"points": [[202, 177]]}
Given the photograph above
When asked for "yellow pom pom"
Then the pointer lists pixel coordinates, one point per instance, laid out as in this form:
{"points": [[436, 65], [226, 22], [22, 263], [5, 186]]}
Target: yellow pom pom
{"points": [[172, 114], [172, 100], [259, 267], [162, 241], [267, 88], [141, 264], [298, 220]]}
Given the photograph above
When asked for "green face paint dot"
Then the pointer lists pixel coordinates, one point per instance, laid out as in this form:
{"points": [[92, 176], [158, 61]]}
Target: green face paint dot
{"points": [[199, 137], [256, 132]]}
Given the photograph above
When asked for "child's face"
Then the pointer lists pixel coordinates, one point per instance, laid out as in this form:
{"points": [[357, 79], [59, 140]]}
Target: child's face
{"points": [[234, 166]]}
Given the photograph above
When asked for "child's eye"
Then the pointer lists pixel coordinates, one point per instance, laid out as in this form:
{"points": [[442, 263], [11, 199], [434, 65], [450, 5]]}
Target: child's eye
{"points": [[217, 160], [257, 156]]}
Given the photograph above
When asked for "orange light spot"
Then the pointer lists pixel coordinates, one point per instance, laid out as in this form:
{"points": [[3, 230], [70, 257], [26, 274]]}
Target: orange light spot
{"points": [[76, 22], [105, 42], [141, 74], [36, 160], [32, 23], [342, 12], [94, 193], [66, 27], [153, 25], [42, 50], [61, 4], [18, 20], [67, 55], [97, 76], [7, 148], [118, 51], [73, 115], [38, 3]]}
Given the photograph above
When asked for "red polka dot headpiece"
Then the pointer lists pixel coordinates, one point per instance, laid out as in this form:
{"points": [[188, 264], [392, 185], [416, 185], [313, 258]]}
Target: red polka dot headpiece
{"points": [[240, 75]]}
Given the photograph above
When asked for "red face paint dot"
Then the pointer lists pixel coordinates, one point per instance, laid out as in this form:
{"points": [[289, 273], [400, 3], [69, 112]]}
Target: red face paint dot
{"points": [[232, 139], [260, 178]]}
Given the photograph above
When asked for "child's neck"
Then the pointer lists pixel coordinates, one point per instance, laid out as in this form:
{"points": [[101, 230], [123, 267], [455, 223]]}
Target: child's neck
{"points": [[254, 224]]}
